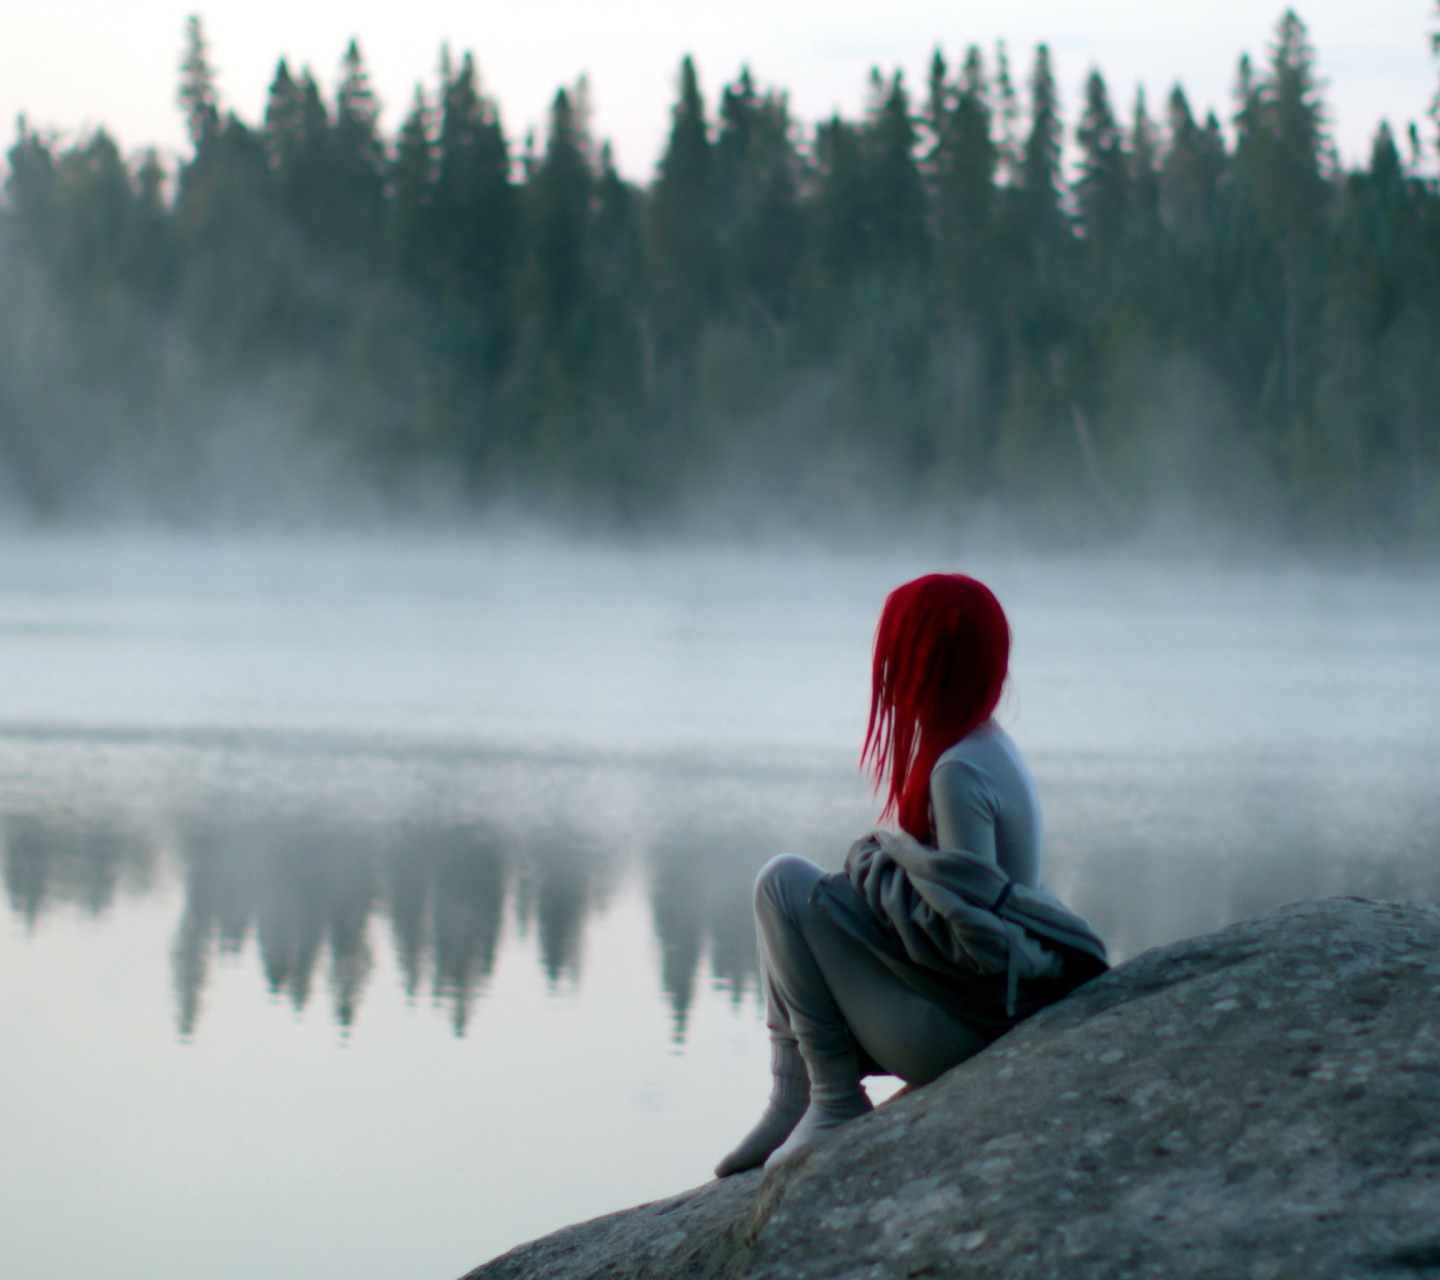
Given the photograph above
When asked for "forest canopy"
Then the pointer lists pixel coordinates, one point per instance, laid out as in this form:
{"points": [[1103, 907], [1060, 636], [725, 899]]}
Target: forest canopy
{"points": [[962, 304]]}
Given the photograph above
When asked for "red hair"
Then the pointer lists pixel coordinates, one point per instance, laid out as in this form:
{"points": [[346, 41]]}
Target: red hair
{"points": [[942, 652]]}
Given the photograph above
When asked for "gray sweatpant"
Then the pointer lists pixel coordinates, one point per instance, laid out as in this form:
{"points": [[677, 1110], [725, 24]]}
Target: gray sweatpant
{"points": [[828, 991]]}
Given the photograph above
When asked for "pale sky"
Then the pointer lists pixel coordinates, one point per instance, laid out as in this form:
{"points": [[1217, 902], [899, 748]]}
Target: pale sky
{"points": [[73, 64]]}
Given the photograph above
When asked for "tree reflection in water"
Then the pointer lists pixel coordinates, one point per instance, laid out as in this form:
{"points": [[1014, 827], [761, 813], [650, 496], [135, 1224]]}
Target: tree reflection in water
{"points": [[56, 856], [1150, 849], [700, 897], [308, 883], [309, 887], [561, 883], [446, 897]]}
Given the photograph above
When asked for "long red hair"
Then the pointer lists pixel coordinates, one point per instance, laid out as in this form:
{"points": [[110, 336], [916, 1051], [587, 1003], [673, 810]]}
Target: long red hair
{"points": [[942, 652]]}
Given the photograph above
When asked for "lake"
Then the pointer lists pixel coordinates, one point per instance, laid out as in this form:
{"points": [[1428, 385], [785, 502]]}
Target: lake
{"points": [[376, 904]]}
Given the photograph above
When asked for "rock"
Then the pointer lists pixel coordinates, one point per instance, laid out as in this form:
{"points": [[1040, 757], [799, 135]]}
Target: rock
{"points": [[687, 1235], [1256, 1104]]}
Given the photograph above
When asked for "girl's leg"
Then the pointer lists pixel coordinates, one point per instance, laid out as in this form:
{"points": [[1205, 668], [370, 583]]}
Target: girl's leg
{"points": [[800, 996], [789, 1098], [780, 882], [905, 1034], [827, 992], [813, 1056], [835, 995]]}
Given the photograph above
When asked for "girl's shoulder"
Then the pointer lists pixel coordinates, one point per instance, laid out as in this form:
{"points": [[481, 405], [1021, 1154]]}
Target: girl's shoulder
{"points": [[986, 749]]}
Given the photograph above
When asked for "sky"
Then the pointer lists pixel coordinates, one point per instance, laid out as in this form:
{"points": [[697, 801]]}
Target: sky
{"points": [[71, 65]]}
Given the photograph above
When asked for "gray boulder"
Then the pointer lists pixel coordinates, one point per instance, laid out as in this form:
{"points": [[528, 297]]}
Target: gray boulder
{"points": [[1256, 1104]]}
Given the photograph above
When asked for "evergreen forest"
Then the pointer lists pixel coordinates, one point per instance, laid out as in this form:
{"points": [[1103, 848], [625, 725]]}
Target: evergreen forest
{"points": [[970, 303]]}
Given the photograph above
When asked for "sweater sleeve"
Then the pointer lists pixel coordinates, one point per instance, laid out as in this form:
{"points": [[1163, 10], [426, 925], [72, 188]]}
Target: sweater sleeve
{"points": [[965, 808]]}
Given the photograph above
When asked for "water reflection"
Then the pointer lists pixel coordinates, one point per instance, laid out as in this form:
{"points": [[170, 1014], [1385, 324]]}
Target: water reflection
{"points": [[310, 887], [445, 889], [305, 885], [1151, 849], [700, 896], [57, 857], [560, 883]]}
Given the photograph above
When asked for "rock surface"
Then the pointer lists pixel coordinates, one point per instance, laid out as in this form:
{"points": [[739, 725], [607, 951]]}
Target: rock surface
{"points": [[1256, 1104]]}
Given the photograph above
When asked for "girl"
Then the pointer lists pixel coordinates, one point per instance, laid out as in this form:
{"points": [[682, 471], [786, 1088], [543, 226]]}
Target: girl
{"points": [[903, 964]]}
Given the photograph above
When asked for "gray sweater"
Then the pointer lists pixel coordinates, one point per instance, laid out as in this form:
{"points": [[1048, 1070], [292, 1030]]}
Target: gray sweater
{"points": [[984, 801], [967, 922]]}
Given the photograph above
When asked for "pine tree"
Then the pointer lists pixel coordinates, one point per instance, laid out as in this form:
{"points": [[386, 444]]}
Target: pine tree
{"points": [[685, 282], [617, 254], [411, 185], [1007, 120], [1281, 152], [939, 104], [31, 196], [1190, 173], [1038, 231], [870, 207], [197, 97], [617, 268], [153, 260], [556, 300], [97, 210], [681, 227], [968, 284], [1147, 273], [760, 221], [1040, 184], [964, 163], [360, 163], [1034, 444], [474, 220], [1144, 166], [297, 139], [1284, 141], [1102, 189], [840, 210], [899, 237], [473, 198], [557, 218]]}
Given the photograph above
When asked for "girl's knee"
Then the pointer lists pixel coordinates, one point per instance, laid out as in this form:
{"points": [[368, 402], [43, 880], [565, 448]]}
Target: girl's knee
{"points": [[787, 878]]}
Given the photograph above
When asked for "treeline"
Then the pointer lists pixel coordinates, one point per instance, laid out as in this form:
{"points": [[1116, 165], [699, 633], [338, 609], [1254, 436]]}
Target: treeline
{"points": [[920, 314]]}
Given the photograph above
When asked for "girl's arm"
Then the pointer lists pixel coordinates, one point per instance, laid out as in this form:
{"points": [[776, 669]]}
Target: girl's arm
{"points": [[963, 803]]}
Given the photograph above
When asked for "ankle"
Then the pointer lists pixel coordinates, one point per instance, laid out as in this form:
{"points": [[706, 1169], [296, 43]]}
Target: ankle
{"points": [[789, 1101], [835, 1077]]}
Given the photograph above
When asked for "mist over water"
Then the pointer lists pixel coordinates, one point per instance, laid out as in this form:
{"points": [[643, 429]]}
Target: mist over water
{"points": [[376, 904]]}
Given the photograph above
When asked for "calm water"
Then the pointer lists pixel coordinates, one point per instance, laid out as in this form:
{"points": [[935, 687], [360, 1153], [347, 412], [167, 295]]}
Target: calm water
{"points": [[375, 906]]}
